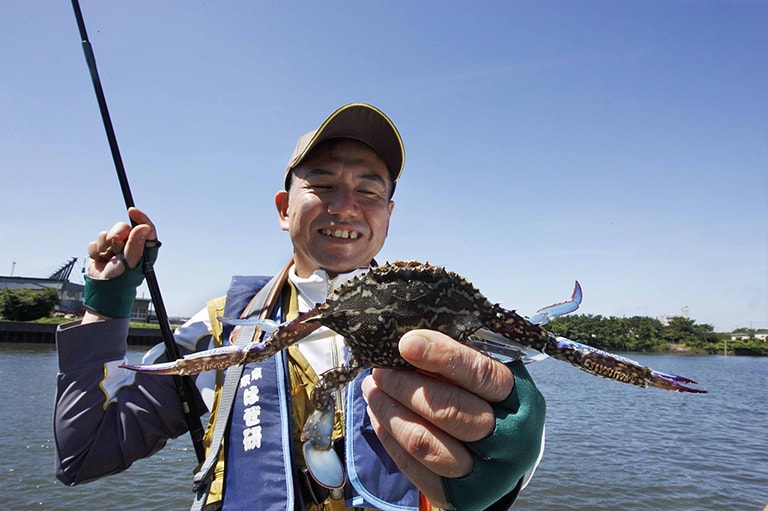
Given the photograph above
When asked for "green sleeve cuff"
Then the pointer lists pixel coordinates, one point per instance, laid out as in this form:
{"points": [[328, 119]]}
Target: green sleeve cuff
{"points": [[504, 457], [114, 297]]}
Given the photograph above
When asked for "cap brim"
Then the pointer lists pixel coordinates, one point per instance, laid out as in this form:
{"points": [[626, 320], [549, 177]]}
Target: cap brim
{"points": [[361, 122]]}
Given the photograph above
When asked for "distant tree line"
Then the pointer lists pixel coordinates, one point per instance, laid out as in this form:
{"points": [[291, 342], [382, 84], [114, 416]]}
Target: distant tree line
{"points": [[27, 304], [638, 333], [644, 334]]}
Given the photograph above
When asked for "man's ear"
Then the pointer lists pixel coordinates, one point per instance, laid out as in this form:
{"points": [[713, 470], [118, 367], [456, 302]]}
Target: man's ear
{"points": [[281, 203]]}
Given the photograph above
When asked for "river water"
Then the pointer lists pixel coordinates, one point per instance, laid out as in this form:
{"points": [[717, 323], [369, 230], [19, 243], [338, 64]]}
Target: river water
{"points": [[609, 445]]}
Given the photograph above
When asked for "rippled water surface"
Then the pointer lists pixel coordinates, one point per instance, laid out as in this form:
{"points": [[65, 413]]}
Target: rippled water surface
{"points": [[609, 445], [615, 446]]}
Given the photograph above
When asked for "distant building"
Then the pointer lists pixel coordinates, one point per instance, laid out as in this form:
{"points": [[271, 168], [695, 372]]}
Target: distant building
{"points": [[142, 311], [760, 335], [70, 294], [666, 318]]}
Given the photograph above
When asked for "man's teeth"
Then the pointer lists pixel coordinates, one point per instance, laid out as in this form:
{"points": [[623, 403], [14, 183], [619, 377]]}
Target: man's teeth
{"points": [[338, 233]]}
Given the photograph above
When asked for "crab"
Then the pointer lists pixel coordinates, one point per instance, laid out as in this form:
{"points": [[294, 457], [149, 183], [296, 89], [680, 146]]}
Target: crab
{"points": [[374, 310]]}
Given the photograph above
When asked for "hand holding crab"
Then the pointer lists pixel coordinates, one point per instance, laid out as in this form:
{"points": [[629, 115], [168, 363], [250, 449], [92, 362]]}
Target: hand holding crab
{"points": [[425, 421]]}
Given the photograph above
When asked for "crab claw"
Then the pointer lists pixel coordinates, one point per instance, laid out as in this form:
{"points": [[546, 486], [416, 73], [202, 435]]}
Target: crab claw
{"points": [[319, 428], [673, 382], [545, 314], [324, 466], [322, 461]]}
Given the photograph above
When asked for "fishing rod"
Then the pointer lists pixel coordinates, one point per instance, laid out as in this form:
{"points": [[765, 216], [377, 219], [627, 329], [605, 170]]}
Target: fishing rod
{"points": [[183, 383]]}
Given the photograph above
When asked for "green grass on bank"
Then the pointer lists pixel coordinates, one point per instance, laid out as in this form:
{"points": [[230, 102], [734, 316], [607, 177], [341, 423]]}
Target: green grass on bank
{"points": [[56, 320]]}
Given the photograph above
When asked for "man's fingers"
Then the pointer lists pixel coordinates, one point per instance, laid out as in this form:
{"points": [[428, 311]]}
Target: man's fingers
{"points": [[141, 218], [134, 248], [413, 442], [105, 257], [453, 409], [427, 481], [468, 368], [106, 246], [120, 248]]}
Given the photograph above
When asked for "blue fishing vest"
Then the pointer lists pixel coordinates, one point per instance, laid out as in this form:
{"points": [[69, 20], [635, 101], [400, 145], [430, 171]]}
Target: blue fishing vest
{"points": [[259, 472]]}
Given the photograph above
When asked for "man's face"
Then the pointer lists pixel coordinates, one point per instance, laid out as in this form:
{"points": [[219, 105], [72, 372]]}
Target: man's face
{"points": [[337, 208]]}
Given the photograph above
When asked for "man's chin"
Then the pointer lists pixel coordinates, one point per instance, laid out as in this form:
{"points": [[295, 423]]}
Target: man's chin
{"points": [[337, 266]]}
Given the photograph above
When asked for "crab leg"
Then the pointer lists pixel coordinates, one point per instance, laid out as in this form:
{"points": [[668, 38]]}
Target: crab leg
{"points": [[281, 336], [513, 337], [503, 348], [587, 358], [216, 358], [615, 367]]}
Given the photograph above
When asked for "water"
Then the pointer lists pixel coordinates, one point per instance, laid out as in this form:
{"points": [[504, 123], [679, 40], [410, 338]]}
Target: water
{"points": [[28, 376], [609, 445], [615, 446]]}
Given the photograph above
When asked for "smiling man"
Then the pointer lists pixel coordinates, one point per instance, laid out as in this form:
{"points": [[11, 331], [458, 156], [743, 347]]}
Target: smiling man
{"points": [[336, 207], [464, 431]]}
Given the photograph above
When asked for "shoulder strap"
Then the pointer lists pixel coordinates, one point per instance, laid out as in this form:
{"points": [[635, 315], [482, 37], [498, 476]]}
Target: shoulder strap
{"points": [[262, 304]]}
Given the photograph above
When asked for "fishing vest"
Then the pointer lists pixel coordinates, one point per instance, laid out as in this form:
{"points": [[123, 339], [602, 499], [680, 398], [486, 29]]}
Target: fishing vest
{"points": [[257, 469]]}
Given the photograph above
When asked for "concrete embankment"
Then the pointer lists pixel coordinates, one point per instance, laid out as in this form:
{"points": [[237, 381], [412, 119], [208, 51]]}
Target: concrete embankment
{"points": [[19, 331]]}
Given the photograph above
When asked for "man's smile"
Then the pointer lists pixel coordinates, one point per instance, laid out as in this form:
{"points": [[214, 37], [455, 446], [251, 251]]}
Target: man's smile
{"points": [[340, 233]]}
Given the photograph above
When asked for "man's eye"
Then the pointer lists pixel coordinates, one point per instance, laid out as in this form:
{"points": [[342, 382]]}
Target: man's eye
{"points": [[370, 192]]}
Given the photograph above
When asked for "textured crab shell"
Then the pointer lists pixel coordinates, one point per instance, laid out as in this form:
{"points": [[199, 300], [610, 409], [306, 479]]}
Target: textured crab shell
{"points": [[373, 310]]}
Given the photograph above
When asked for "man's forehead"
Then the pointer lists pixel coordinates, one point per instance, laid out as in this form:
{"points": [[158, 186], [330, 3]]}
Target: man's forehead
{"points": [[321, 171], [345, 154], [347, 151]]}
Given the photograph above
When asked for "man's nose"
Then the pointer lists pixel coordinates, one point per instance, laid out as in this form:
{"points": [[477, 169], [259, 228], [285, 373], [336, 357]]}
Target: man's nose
{"points": [[343, 203]]}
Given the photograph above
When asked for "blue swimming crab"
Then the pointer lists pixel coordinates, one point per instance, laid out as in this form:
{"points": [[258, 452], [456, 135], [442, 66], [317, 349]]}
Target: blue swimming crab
{"points": [[373, 310]]}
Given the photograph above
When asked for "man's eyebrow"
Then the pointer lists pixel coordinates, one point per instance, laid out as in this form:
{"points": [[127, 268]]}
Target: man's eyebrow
{"points": [[321, 172], [374, 177], [318, 172]]}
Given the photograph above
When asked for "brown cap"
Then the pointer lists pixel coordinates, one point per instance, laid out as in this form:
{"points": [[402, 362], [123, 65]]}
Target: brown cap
{"points": [[361, 122]]}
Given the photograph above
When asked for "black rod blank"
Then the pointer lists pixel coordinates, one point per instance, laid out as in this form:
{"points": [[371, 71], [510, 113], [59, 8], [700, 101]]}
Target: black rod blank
{"points": [[183, 384]]}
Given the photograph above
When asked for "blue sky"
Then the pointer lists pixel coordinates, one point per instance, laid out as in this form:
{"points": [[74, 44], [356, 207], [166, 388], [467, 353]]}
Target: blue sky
{"points": [[623, 144]]}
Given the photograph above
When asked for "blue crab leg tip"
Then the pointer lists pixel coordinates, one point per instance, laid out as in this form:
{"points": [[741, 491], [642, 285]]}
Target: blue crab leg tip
{"points": [[675, 383], [675, 377], [544, 314], [577, 294], [689, 390]]}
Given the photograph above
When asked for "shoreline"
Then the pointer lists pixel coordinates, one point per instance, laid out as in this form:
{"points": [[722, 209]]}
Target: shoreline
{"points": [[45, 333], [22, 332]]}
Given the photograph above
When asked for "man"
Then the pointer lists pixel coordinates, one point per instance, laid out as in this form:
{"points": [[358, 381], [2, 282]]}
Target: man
{"points": [[464, 430]]}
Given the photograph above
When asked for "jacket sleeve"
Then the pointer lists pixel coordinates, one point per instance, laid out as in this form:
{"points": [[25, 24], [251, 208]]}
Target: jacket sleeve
{"points": [[106, 417]]}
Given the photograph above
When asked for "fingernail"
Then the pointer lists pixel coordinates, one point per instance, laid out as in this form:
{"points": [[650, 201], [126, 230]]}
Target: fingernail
{"points": [[414, 346], [365, 387]]}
